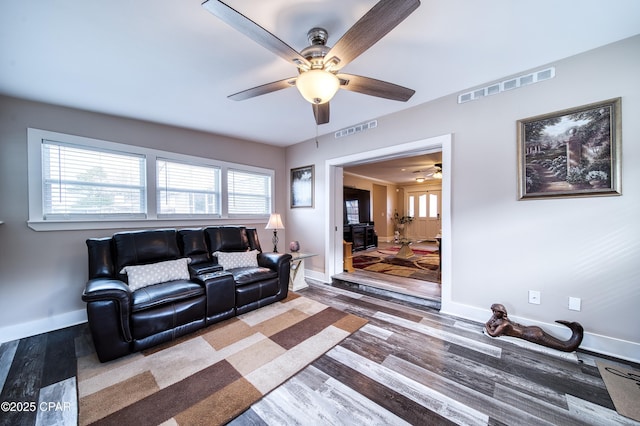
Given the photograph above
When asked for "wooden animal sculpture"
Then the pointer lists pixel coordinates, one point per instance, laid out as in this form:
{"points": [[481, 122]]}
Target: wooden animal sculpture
{"points": [[500, 325]]}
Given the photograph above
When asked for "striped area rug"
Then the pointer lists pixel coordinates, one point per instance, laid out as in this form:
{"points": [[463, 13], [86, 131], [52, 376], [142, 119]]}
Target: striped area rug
{"points": [[211, 376]]}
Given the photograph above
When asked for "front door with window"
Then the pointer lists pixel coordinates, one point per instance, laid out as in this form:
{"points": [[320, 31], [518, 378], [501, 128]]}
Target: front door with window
{"points": [[425, 207]]}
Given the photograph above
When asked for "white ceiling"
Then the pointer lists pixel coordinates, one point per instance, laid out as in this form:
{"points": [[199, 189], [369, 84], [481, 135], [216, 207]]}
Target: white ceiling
{"points": [[173, 62], [403, 170]]}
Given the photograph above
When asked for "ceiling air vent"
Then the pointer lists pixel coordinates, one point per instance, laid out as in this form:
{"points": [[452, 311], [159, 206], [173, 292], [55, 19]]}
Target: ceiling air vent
{"points": [[356, 129], [510, 84]]}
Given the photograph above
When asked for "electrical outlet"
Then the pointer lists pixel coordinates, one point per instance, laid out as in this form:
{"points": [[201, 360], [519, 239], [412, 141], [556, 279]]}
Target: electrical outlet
{"points": [[534, 297], [575, 303]]}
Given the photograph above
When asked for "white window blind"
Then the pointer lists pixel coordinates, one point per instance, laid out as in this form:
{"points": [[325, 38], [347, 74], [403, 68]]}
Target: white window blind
{"points": [[249, 192], [80, 181], [187, 189]]}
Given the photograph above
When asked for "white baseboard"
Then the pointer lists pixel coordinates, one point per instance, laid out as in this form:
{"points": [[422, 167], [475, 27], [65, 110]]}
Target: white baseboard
{"points": [[315, 275], [604, 345], [44, 325]]}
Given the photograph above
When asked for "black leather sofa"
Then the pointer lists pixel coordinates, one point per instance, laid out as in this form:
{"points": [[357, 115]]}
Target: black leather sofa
{"points": [[125, 319]]}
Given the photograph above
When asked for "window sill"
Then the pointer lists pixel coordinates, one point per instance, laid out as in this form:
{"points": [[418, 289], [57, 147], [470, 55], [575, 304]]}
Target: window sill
{"points": [[78, 225]]}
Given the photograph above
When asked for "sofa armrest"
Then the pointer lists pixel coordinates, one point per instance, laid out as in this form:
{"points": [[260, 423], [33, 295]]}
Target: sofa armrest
{"points": [[204, 268], [108, 289], [281, 263], [275, 261], [220, 289], [104, 289]]}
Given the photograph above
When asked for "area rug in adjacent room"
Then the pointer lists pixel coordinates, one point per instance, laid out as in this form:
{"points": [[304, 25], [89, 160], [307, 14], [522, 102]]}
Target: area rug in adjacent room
{"points": [[211, 376], [623, 385], [423, 265]]}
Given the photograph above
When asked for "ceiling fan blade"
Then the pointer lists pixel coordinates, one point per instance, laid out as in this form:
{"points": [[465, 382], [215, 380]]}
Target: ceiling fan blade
{"points": [[264, 89], [321, 113], [255, 32], [375, 24], [373, 87]]}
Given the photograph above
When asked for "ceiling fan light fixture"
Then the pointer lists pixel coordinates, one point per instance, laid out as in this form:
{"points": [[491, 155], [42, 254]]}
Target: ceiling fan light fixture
{"points": [[438, 175], [317, 86]]}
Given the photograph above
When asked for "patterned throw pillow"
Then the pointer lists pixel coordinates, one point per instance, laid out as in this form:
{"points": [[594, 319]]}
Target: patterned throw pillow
{"points": [[237, 259], [140, 276]]}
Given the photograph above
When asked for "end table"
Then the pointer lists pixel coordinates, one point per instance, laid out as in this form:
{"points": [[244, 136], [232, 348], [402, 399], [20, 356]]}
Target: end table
{"points": [[296, 279]]}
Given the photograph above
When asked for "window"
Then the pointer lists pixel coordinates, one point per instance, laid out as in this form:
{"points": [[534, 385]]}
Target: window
{"points": [[248, 192], [422, 205], [353, 213], [187, 189], [78, 181], [433, 206]]}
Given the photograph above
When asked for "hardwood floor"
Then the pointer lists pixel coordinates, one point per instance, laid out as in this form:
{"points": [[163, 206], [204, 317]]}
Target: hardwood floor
{"points": [[408, 365], [36, 371], [411, 365]]}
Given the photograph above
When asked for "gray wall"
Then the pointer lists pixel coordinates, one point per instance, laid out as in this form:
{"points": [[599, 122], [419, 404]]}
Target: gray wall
{"points": [[502, 247], [42, 274]]}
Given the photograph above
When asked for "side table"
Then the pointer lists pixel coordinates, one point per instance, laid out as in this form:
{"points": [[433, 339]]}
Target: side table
{"points": [[296, 276]]}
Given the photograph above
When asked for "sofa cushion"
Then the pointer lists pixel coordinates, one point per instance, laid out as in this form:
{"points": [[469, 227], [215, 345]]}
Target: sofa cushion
{"points": [[193, 245], [139, 276], [250, 274], [238, 259], [160, 294], [227, 238], [143, 247]]}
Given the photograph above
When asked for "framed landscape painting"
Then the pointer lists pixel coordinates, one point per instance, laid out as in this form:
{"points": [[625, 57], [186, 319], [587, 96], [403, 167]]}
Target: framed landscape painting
{"points": [[569, 153], [302, 187]]}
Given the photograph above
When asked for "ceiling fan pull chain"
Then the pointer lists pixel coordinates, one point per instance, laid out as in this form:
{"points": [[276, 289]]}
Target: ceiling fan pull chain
{"points": [[316, 135]]}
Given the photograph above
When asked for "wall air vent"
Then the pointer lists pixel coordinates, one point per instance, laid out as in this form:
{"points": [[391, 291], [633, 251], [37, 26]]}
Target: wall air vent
{"points": [[356, 129], [510, 84]]}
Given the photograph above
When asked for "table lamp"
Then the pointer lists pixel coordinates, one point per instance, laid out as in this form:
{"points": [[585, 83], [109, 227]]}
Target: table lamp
{"points": [[275, 223]]}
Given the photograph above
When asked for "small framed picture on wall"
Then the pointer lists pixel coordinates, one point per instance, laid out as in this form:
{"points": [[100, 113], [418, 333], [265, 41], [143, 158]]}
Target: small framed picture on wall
{"points": [[302, 186]]}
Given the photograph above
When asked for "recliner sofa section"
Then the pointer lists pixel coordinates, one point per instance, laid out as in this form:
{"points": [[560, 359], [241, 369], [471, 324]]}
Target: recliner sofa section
{"points": [[149, 287]]}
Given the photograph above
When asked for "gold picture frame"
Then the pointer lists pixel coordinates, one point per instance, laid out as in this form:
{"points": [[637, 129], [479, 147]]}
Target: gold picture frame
{"points": [[571, 153]]}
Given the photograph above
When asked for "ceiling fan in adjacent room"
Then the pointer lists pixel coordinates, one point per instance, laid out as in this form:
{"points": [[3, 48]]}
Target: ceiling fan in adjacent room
{"points": [[434, 172], [318, 65]]}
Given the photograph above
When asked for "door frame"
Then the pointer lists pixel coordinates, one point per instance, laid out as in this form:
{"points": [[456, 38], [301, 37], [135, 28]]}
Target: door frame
{"points": [[334, 211]]}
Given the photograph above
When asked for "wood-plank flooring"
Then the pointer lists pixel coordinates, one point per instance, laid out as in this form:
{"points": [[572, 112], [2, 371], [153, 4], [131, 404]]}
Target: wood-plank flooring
{"points": [[411, 365], [36, 371], [408, 365]]}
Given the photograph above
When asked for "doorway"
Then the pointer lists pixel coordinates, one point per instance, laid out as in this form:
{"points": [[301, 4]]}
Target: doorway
{"points": [[334, 206]]}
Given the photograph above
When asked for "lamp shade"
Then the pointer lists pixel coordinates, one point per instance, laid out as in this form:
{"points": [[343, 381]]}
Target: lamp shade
{"points": [[317, 86], [275, 222]]}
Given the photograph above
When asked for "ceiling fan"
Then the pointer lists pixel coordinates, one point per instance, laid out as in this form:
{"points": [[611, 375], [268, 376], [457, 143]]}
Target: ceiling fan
{"points": [[434, 171], [318, 65]]}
